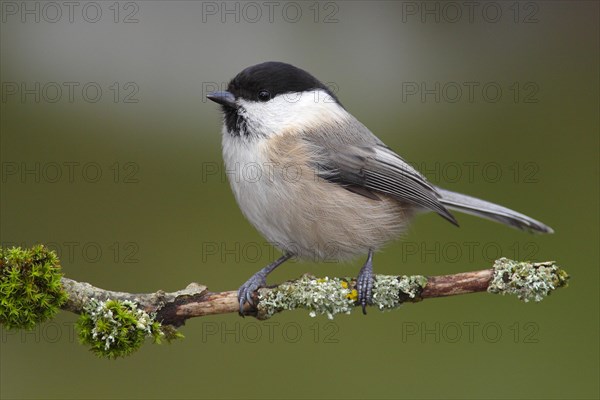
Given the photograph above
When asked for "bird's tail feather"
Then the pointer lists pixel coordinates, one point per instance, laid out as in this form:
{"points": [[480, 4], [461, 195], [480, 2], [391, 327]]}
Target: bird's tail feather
{"points": [[494, 212]]}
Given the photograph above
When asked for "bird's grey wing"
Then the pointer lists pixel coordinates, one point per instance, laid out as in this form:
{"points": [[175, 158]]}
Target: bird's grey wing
{"points": [[350, 155], [371, 168]]}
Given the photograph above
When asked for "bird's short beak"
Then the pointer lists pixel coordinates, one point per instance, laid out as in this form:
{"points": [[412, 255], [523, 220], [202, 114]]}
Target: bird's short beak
{"points": [[224, 98]]}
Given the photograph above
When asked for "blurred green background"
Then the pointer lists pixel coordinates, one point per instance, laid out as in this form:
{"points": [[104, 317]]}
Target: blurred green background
{"points": [[111, 155]]}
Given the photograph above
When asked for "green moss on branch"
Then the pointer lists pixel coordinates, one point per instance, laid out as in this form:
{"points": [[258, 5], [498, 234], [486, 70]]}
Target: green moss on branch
{"points": [[30, 286]]}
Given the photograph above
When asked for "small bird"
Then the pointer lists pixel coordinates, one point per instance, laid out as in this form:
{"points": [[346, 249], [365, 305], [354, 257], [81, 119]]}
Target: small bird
{"points": [[316, 183]]}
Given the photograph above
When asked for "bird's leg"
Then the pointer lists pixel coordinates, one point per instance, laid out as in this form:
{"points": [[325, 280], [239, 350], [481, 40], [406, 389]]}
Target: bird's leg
{"points": [[364, 283], [257, 280]]}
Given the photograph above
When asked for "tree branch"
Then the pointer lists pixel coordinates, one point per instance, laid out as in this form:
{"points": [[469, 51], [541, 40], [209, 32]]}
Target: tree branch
{"points": [[330, 296], [115, 324]]}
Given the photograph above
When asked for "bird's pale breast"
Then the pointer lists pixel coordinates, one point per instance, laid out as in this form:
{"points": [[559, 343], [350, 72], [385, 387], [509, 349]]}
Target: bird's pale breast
{"points": [[279, 191]]}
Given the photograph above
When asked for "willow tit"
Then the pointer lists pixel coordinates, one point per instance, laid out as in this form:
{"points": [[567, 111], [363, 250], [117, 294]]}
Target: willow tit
{"points": [[317, 183]]}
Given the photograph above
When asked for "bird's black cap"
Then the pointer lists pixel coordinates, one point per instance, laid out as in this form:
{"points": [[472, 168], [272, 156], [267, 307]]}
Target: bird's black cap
{"points": [[274, 78]]}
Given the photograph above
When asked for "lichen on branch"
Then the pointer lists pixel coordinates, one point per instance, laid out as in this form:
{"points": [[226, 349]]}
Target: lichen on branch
{"points": [[528, 281], [116, 328], [331, 296]]}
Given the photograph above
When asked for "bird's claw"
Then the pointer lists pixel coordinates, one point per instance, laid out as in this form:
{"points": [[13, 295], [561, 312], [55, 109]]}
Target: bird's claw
{"points": [[246, 291]]}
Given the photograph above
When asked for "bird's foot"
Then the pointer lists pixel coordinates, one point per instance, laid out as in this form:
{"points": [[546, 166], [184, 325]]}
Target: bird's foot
{"points": [[246, 291], [364, 283], [258, 280]]}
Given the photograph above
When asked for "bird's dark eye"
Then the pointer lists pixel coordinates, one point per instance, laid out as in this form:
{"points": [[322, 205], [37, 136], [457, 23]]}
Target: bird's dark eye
{"points": [[264, 95]]}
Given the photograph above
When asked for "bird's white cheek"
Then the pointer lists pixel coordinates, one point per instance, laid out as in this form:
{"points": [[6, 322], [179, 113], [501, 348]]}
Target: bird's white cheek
{"points": [[290, 112]]}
